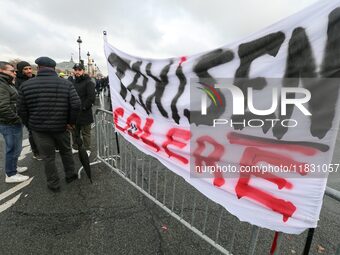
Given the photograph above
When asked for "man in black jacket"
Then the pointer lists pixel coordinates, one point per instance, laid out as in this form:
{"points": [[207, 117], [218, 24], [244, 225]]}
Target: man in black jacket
{"points": [[24, 73], [86, 91], [49, 106], [10, 124]]}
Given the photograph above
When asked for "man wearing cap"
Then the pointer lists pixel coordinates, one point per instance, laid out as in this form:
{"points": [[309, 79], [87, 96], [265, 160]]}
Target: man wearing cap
{"points": [[86, 91], [10, 124], [24, 73], [49, 106]]}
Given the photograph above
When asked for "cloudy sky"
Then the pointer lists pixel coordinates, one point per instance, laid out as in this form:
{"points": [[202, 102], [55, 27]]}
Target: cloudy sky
{"points": [[149, 28]]}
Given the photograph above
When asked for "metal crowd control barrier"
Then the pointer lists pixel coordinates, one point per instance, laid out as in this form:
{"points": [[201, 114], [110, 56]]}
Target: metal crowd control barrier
{"points": [[170, 192]]}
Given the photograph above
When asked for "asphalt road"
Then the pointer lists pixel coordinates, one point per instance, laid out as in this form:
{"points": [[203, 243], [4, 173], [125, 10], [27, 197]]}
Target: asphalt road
{"points": [[107, 217], [111, 217]]}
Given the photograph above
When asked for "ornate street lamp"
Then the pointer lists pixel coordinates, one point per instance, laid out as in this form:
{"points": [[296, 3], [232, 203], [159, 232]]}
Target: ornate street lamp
{"points": [[88, 62], [79, 41]]}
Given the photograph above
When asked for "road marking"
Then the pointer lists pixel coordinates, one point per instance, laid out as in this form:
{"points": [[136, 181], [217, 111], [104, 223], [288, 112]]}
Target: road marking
{"points": [[24, 152], [26, 149], [25, 142], [15, 189], [9, 203]]}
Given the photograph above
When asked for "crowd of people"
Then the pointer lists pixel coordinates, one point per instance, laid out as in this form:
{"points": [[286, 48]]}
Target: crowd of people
{"points": [[50, 107]]}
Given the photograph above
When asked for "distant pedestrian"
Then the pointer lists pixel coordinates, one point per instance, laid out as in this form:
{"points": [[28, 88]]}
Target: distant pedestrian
{"points": [[49, 106], [98, 86], [62, 75], [107, 85], [86, 91], [71, 78], [10, 124], [24, 73]]}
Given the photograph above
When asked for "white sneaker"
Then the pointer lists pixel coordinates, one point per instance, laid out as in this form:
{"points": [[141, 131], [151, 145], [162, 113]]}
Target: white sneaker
{"points": [[21, 169], [74, 151], [88, 153], [16, 178]]}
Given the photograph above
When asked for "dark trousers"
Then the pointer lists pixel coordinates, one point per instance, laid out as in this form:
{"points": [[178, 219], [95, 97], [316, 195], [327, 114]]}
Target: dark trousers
{"points": [[85, 134], [34, 147], [47, 142]]}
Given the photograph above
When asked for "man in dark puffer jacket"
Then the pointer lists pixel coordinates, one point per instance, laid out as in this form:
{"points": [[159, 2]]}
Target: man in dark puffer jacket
{"points": [[49, 106]]}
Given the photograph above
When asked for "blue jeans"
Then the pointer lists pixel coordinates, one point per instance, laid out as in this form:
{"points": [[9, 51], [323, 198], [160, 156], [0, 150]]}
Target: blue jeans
{"points": [[13, 141]]}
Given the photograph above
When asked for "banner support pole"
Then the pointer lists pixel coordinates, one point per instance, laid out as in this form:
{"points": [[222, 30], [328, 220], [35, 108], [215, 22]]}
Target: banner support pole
{"points": [[105, 35], [308, 241]]}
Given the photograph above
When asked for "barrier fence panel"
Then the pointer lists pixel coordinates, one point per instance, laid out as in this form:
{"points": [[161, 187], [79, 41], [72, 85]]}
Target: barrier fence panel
{"points": [[174, 195]]}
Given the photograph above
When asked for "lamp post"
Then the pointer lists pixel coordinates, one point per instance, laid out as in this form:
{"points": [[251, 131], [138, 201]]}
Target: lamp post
{"points": [[79, 41], [88, 62]]}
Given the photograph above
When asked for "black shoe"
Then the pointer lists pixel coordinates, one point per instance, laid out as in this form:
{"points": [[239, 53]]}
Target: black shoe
{"points": [[54, 189], [36, 156], [71, 179]]}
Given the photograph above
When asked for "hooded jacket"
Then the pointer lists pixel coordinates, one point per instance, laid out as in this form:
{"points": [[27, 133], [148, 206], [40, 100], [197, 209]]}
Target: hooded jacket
{"points": [[86, 91], [8, 101]]}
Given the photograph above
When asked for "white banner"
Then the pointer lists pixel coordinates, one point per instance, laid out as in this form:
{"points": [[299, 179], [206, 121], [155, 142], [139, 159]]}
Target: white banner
{"points": [[251, 125]]}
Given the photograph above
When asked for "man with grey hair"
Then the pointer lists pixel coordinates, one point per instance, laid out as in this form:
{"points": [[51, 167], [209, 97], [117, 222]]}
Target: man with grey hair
{"points": [[10, 124]]}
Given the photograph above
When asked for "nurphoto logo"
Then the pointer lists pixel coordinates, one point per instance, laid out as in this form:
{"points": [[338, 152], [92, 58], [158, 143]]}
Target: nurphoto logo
{"points": [[243, 102]]}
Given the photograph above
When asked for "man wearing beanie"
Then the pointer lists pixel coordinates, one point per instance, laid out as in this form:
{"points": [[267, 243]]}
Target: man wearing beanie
{"points": [[24, 72], [49, 106]]}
